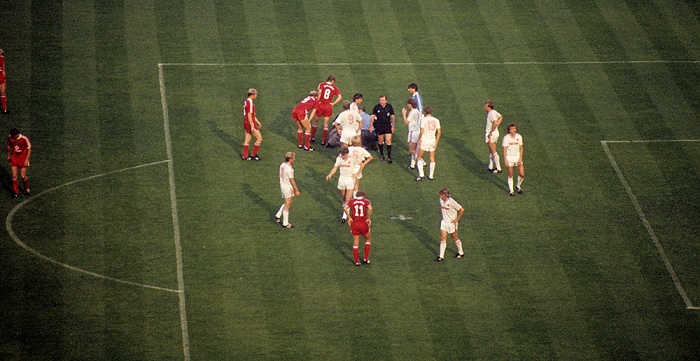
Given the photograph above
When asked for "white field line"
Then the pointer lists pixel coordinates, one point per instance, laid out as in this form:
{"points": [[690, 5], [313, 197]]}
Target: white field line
{"points": [[643, 218], [593, 62], [10, 216], [176, 222]]}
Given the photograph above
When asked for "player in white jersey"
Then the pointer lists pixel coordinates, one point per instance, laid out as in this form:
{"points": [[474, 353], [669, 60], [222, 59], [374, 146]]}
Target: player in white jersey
{"points": [[361, 155], [428, 139], [493, 120], [348, 124], [513, 152], [289, 189], [411, 118], [451, 214], [413, 89], [348, 172]]}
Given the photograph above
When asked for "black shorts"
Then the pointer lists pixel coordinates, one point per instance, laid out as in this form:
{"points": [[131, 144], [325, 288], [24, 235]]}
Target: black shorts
{"points": [[383, 128]]}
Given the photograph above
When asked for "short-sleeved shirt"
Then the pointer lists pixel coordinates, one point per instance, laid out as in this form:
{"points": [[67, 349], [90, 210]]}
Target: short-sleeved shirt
{"points": [[450, 209], [366, 121], [419, 102], [346, 166], [512, 145], [413, 118], [348, 121], [383, 114], [301, 111], [326, 92], [491, 117], [249, 108], [2, 69], [359, 154], [286, 174], [19, 146], [430, 125], [359, 209]]}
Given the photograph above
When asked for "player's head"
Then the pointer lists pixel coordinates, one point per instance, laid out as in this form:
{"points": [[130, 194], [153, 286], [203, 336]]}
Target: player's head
{"points": [[0, 51], [511, 126], [444, 192], [252, 92], [344, 152], [428, 110], [360, 194], [289, 156], [14, 132], [363, 109], [313, 93], [331, 79], [355, 141], [489, 105], [356, 97], [346, 104], [412, 103], [412, 88], [382, 100]]}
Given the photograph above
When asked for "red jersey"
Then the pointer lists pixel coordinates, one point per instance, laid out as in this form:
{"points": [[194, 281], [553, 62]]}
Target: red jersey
{"points": [[326, 92], [19, 146], [248, 108], [307, 104], [359, 209], [2, 69]]}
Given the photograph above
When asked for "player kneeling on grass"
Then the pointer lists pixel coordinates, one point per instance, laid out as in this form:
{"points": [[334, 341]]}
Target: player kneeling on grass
{"points": [[451, 213], [359, 211], [513, 152], [289, 189]]}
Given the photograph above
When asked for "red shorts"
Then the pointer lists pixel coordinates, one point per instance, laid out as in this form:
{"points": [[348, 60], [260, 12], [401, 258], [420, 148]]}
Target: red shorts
{"points": [[298, 114], [246, 126], [359, 228], [324, 109], [18, 161], [2, 79]]}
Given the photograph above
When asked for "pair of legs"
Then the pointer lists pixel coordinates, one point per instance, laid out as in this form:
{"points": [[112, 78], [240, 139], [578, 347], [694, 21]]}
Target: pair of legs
{"points": [[3, 98], [304, 128], [494, 159], [21, 172], [356, 247], [450, 229], [283, 213], [414, 153], [314, 127], [256, 146], [384, 139], [421, 164], [346, 196], [521, 176]]}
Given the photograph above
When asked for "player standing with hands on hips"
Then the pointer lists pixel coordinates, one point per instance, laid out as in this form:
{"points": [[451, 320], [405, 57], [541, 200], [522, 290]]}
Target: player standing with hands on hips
{"points": [[513, 152], [493, 120], [451, 214], [18, 151], [251, 125], [289, 189], [359, 211], [324, 107]]}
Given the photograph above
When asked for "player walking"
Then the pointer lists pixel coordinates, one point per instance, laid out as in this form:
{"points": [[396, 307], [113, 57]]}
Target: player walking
{"points": [[359, 212], [430, 133], [348, 172], [289, 189], [493, 120], [513, 152], [451, 213], [324, 108], [362, 156], [301, 116], [251, 125], [19, 149]]}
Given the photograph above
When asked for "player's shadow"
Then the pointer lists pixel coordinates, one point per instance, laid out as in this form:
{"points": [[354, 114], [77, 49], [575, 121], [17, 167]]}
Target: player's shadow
{"points": [[6, 181], [471, 163], [424, 237], [257, 199], [225, 137]]}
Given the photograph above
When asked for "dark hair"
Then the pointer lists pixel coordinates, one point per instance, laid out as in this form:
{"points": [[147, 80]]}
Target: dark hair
{"points": [[412, 102], [360, 193], [511, 125], [445, 191], [413, 86], [14, 132], [330, 78], [346, 104], [428, 109], [362, 108], [489, 104], [344, 150], [356, 96]]}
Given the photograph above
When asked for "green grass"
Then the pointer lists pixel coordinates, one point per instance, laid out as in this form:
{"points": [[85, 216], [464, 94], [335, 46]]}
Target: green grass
{"points": [[566, 271]]}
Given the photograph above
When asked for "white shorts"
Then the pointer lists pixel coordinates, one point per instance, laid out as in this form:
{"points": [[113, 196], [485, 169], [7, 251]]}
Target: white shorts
{"points": [[448, 226], [512, 161], [494, 137], [346, 183], [413, 136], [287, 191], [346, 137], [427, 145]]}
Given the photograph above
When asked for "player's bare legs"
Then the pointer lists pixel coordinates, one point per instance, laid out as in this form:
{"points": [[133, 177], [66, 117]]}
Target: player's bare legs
{"points": [[3, 98], [494, 158], [314, 127], [412, 150], [324, 138], [346, 196]]}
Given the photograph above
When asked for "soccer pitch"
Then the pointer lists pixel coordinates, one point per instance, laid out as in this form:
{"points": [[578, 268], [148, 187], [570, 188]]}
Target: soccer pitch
{"points": [[148, 238]]}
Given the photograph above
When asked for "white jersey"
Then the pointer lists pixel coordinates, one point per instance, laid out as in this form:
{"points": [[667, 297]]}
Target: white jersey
{"points": [[450, 209], [413, 118], [429, 125], [349, 121], [354, 107], [512, 145], [346, 166], [359, 154], [286, 173], [491, 117]]}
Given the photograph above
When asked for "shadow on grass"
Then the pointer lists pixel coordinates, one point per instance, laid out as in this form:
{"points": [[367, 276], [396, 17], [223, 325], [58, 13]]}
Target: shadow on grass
{"points": [[471, 163]]}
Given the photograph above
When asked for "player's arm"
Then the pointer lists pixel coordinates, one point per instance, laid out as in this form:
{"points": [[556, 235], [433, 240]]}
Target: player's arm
{"points": [[9, 151], [520, 161], [497, 123], [393, 120], [348, 213], [29, 153], [337, 99], [403, 112], [294, 185], [312, 115], [437, 137], [335, 168], [420, 135], [369, 214], [459, 215]]}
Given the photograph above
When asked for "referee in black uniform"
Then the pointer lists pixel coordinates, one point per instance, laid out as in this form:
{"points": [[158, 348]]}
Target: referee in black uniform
{"points": [[383, 122]]}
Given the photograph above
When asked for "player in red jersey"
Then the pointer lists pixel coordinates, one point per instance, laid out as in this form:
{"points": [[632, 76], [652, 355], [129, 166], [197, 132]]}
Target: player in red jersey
{"points": [[3, 80], [18, 151], [324, 108], [301, 116], [359, 211], [251, 125]]}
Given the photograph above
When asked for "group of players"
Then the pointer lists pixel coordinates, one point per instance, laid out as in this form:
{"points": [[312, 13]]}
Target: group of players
{"points": [[19, 148], [424, 132]]}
